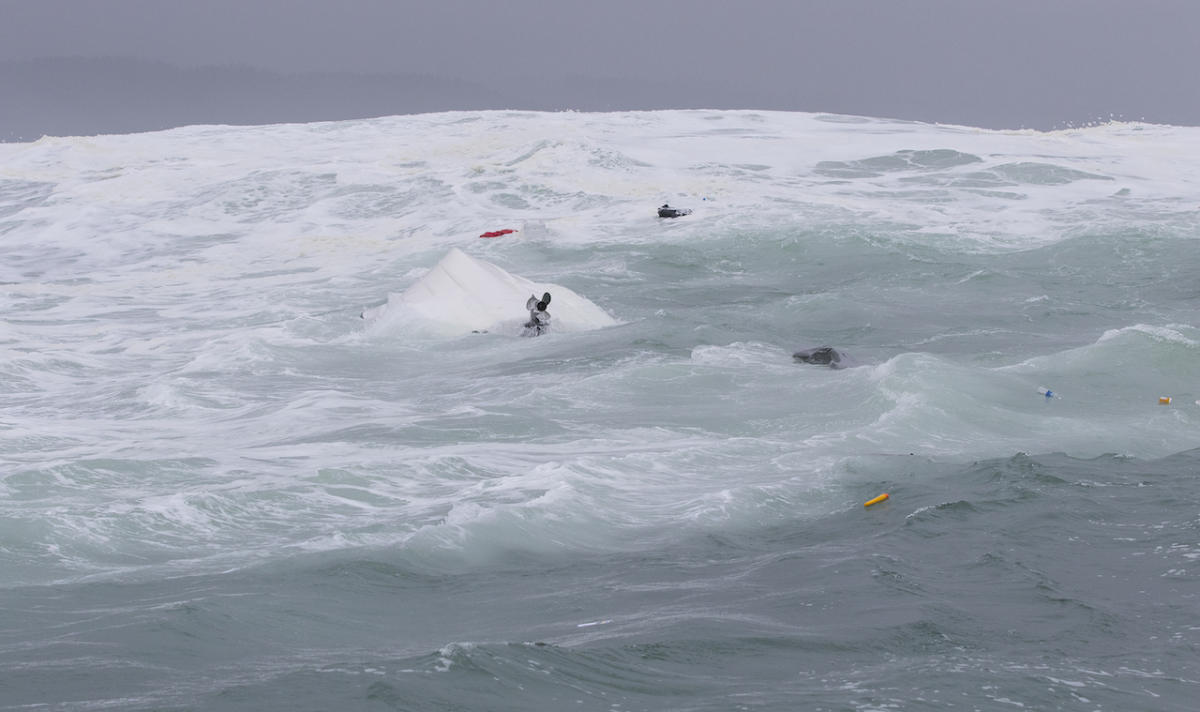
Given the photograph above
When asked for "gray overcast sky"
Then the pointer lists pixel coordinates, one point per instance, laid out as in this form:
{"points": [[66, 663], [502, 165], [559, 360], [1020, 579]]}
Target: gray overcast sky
{"points": [[996, 63]]}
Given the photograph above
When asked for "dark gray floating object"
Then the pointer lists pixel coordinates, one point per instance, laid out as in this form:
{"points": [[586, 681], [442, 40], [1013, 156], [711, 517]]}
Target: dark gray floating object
{"points": [[821, 356], [666, 211]]}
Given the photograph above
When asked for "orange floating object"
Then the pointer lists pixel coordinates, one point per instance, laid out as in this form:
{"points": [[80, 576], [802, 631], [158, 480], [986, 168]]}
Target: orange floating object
{"points": [[1164, 400], [877, 500]]}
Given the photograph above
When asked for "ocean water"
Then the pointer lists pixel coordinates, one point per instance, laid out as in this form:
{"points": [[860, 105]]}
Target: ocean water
{"points": [[222, 488]]}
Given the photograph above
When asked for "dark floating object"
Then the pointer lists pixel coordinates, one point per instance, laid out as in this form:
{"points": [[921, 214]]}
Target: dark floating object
{"points": [[666, 211], [821, 356]]}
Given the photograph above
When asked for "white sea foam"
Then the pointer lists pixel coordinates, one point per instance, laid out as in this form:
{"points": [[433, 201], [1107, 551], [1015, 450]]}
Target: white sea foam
{"points": [[182, 338]]}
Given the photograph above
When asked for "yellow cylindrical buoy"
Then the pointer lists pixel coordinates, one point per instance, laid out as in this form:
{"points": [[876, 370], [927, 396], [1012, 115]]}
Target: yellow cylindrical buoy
{"points": [[1164, 400], [877, 500]]}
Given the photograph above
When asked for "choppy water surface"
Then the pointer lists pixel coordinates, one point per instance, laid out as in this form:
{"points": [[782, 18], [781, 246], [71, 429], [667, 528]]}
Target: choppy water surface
{"points": [[223, 489]]}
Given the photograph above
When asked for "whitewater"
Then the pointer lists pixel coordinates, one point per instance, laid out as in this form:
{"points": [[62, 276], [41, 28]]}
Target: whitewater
{"points": [[271, 440]]}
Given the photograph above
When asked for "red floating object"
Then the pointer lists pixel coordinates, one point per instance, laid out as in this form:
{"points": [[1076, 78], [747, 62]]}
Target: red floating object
{"points": [[496, 233]]}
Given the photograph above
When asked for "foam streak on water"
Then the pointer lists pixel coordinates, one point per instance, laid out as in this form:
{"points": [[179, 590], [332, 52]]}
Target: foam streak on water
{"points": [[240, 469]]}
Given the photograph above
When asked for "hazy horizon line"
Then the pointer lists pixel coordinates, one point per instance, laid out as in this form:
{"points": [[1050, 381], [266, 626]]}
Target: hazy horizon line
{"points": [[116, 94]]}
